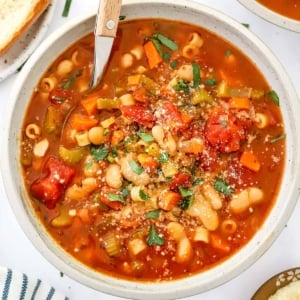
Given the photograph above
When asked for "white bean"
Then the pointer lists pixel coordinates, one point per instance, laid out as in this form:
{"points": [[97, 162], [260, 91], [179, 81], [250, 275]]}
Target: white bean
{"points": [[130, 175], [113, 176], [41, 148]]}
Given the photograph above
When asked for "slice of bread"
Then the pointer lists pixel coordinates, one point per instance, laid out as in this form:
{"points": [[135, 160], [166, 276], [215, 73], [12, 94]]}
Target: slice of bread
{"points": [[16, 16]]}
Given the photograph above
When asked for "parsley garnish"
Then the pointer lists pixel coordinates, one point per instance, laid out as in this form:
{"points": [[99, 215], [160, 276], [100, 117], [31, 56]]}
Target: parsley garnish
{"points": [[275, 98], [196, 74], [164, 157], [211, 82], [153, 237], [153, 214], [166, 42], [143, 195], [66, 8], [223, 187], [135, 167], [278, 138], [66, 85], [185, 192], [114, 197], [228, 53], [146, 137], [182, 86], [100, 152]]}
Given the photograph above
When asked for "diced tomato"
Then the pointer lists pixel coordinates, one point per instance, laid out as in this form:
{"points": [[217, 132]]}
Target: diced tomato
{"points": [[60, 95], [141, 95], [140, 114], [209, 159], [223, 131], [238, 175], [180, 179], [170, 115], [105, 191], [49, 189]]}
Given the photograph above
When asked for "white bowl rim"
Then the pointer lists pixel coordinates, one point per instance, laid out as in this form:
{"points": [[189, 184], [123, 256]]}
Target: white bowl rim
{"points": [[140, 290], [271, 16]]}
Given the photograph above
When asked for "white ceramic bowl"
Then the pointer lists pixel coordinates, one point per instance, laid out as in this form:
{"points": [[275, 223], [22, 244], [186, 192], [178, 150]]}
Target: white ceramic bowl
{"points": [[271, 16], [226, 28]]}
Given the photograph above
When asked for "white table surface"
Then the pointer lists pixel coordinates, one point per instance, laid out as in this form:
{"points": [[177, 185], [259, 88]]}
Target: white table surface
{"points": [[17, 252]]}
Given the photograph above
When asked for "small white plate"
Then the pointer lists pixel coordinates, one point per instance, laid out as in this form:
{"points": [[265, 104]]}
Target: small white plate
{"points": [[17, 285], [271, 16], [19, 53]]}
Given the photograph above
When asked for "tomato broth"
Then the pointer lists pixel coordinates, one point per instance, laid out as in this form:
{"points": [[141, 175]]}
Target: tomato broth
{"points": [[287, 8], [169, 166]]}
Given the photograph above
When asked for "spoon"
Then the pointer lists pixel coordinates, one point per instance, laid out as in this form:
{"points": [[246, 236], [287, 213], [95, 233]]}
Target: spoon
{"points": [[105, 32]]}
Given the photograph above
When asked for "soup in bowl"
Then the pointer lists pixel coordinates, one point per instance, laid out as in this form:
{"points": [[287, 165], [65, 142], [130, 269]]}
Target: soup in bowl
{"points": [[175, 172], [282, 13]]}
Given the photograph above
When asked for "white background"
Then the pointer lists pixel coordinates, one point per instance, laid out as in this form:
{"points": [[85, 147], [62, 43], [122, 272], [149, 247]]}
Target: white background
{"points": [[17, 252]]}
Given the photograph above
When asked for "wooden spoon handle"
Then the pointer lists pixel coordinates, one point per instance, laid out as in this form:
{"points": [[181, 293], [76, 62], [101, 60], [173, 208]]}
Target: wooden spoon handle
{"points": [[108, 17]]}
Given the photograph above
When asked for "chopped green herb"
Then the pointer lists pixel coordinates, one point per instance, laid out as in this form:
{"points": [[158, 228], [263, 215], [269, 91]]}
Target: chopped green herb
{"points": [[185, 192], [115, 197], [182, 86], [89, 164], [135, 167], [154, 238], [21, 67], [211, 82], [146, 137], [185, 203], [224, 123], [278, 138], [71, 79], [196, 74], [166, 42], [157, 45], [246, 25], [66, 8], [61, 274], [197, 181], [122, 18], [166, 56], [114, 152], [173, 64], [164, 157], [228, 53], [143, 195], [125, 192], [223, 187], [153, 214], [99, 152], [275, 98]]}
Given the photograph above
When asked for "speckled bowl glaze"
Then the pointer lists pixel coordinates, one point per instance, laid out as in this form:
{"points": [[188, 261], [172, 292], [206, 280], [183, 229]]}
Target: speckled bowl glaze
{"points": [[271, 16], [226, 28]]}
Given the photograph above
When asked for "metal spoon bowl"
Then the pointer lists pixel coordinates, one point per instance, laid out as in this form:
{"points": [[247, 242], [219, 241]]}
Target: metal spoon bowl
{"points": [[105, 32]]}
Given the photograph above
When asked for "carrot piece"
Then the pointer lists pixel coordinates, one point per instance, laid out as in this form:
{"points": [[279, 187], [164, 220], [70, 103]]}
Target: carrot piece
{"points": [[140, 95], [82, 122], [186, 118], [239, 103], [169, 200], [152, 54], [84, 215], [219, 243], [148, 161], [250, 161], [90, 104], [117, 137]]}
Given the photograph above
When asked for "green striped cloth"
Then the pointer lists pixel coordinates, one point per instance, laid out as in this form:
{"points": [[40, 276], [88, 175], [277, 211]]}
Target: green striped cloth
{"points": [[18, 286]]}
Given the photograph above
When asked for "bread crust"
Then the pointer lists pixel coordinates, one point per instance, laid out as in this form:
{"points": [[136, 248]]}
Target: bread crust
{"points": [[37, 9]]}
